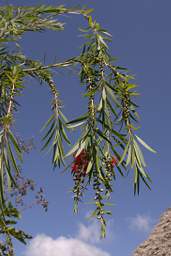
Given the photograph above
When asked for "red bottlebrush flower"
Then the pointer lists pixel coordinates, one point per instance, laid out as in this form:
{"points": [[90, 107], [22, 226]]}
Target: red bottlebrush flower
{"points": [[80, 163], [74, 167], [113, 161]]}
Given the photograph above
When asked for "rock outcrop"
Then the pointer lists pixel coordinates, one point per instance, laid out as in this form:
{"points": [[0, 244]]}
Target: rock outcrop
{"points": [[159, 241]]}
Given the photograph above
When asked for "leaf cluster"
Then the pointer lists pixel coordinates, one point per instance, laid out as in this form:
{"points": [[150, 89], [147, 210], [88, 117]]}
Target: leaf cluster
{"points": [[108, 144], [8, 219]]}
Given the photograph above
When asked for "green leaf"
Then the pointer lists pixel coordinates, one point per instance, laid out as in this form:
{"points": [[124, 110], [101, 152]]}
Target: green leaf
{"points": [[112, 109], [133, 158], [90, 21], [144, 180], [134, 94], [79, 119], [16, 145], [63, 116], [129, 156], [49, 131], [81, 147], [131, 86], [11, 180], [145, 144], [63, 132], [99, 108], [137, 158], [136, 180], [112, 95], [103, 31], [48, 122], [120, 171], [89, 167], [103, 228], [11, 157], [73, 149], [102, 41], [72, 126], [139, 152], [142, 171], [119, 135], [101, 134], [49, 140], [109, 204], [88, 11], [104, 94], [124, 153]]}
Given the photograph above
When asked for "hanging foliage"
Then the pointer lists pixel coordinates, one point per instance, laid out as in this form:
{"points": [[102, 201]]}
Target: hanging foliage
{"points": [[108, 144]]}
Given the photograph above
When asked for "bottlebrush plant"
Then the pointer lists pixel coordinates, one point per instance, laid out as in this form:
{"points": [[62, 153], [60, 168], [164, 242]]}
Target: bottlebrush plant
{"points": [[108, 143]]}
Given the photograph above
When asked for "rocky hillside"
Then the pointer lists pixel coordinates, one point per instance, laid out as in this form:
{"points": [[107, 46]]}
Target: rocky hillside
{"points": [[159, 241]]}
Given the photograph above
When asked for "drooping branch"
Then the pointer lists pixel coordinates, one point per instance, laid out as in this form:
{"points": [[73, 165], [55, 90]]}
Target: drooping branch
{"points": [[16, 20], [55, 65], [108, 143]]}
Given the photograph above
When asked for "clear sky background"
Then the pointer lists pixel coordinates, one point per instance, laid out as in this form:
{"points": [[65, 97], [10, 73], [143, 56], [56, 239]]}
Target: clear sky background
{"points": [[142, 42]]}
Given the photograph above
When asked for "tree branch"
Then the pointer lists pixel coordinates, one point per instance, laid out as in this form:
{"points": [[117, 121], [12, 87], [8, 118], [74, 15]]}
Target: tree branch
{"points": [[55, 65]]}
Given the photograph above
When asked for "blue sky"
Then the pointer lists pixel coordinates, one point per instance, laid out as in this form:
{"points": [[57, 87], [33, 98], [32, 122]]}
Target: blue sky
{"points": [[141, 42]]}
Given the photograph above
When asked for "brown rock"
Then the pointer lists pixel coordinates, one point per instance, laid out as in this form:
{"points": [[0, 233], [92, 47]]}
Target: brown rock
{"points": [[159, 241]]}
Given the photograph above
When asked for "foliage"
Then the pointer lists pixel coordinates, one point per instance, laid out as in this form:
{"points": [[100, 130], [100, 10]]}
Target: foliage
{"points": [[8, 218], [108, 143]]}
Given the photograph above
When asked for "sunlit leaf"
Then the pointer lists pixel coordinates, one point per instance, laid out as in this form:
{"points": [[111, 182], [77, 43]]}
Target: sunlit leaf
{"points": [[145, 144]]}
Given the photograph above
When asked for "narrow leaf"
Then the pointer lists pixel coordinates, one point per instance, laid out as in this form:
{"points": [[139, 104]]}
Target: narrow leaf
{"points": [[145, 144], [124, 153]]}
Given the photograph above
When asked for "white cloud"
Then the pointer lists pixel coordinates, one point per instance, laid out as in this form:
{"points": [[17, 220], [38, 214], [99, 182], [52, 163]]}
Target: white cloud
{"points": [[80, 244], [140, 223], [89, 233], [44, 245]]}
